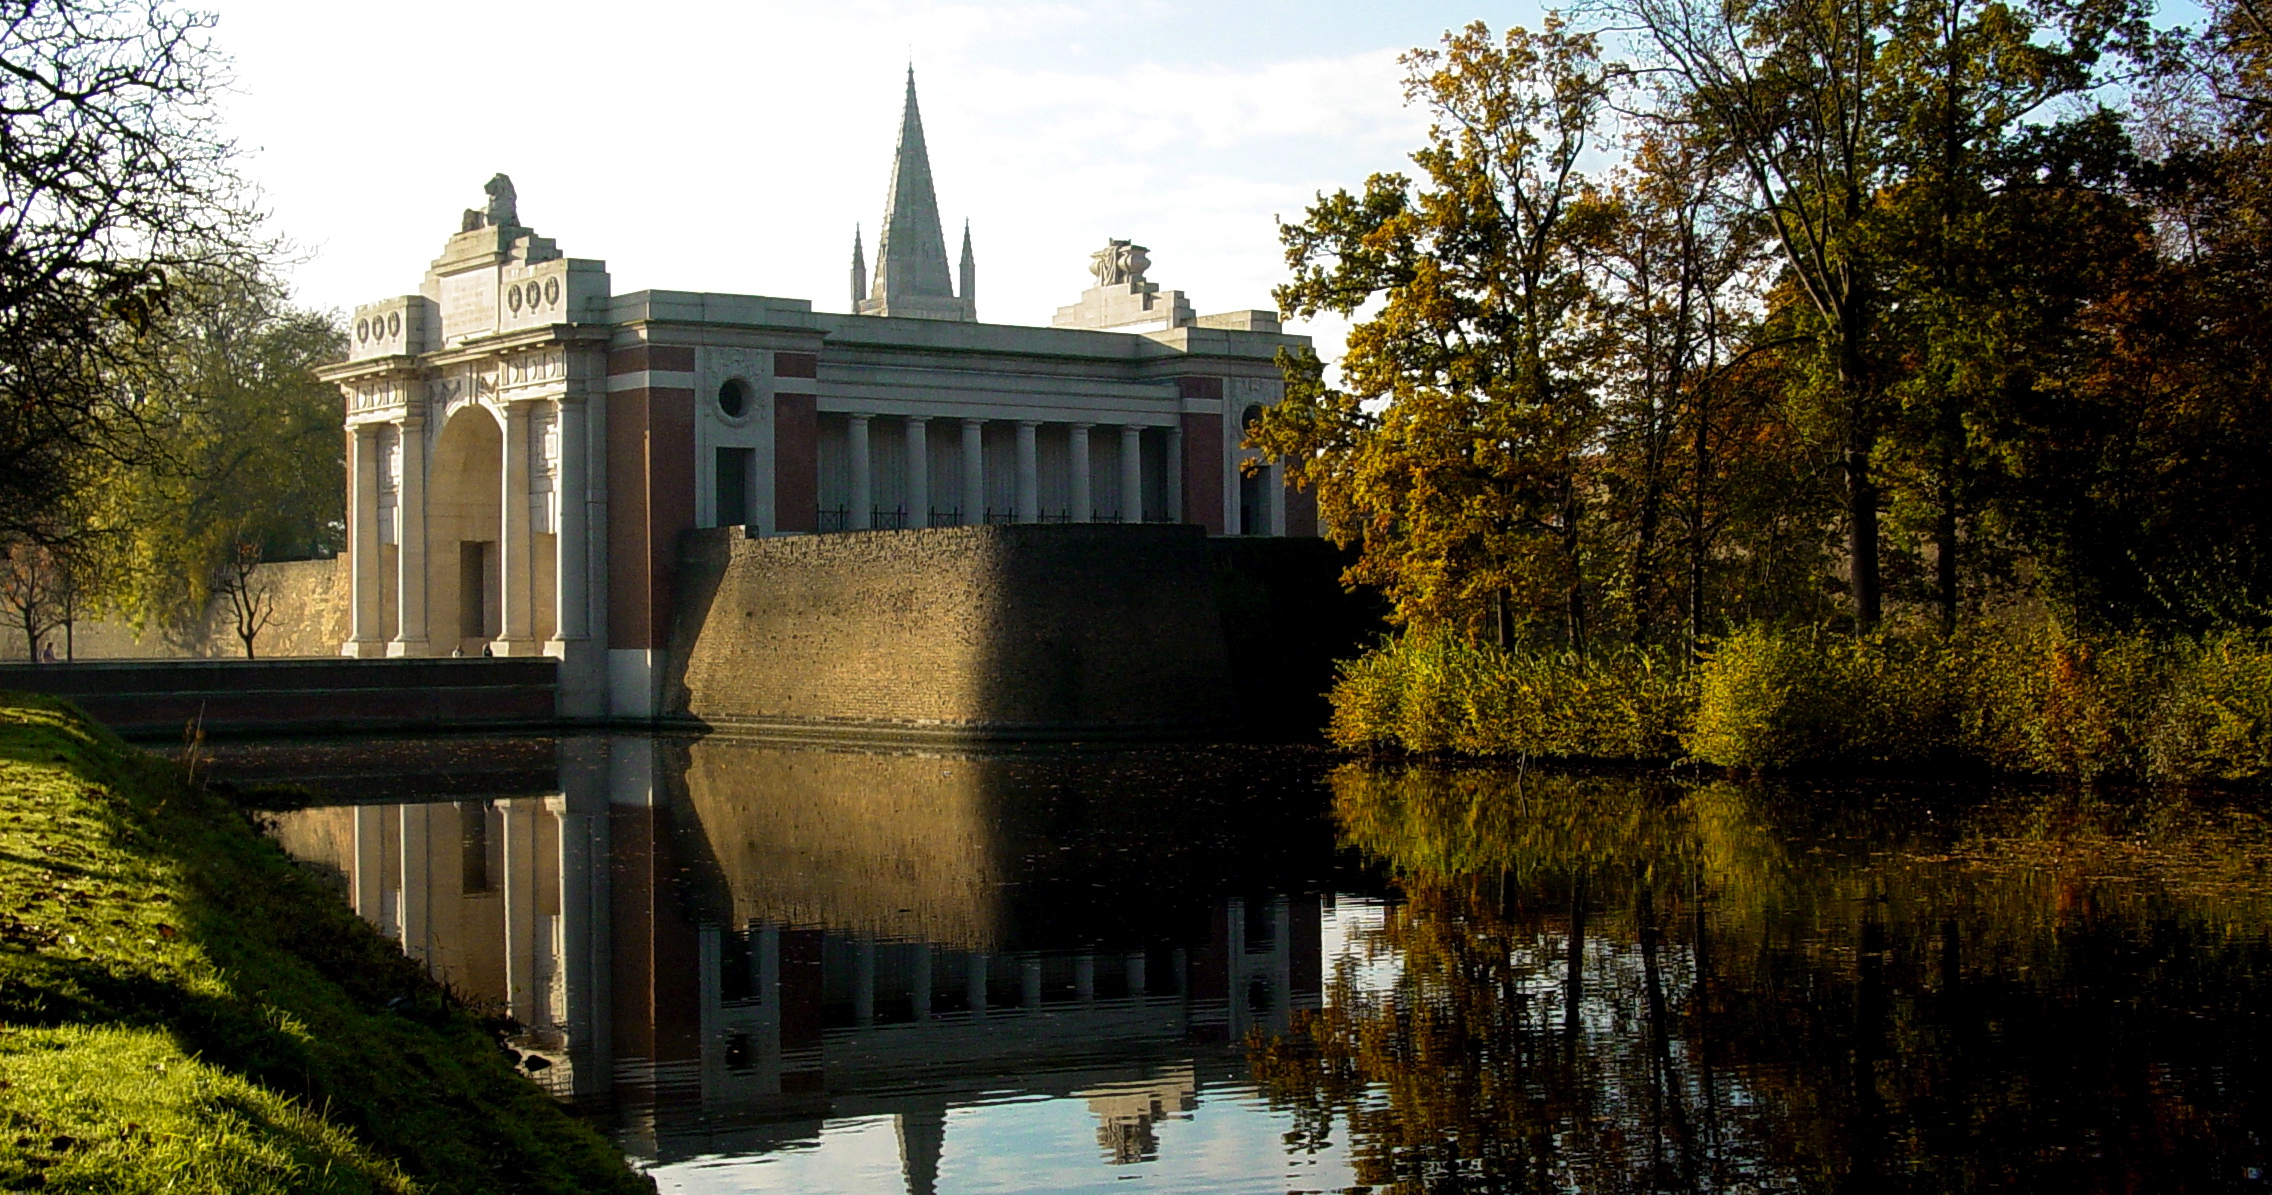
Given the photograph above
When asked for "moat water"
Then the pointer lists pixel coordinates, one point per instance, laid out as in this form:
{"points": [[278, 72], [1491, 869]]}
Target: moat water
{"points": [[774, 968]]}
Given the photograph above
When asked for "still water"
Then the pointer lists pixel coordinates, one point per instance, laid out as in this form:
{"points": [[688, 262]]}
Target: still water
{"points": [[775, 968]]}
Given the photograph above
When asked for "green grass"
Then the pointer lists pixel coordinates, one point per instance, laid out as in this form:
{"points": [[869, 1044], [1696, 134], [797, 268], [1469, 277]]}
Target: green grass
{"points": [[182, 1010]]}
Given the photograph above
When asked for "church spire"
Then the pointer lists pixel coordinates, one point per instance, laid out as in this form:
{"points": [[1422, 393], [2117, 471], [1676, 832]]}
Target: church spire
{"points": [[969, 277], [859, 270], [911, 250]]}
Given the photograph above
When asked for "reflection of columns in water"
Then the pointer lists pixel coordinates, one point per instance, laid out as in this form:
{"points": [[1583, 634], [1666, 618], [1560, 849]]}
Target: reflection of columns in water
{"points": [[412, 907], [367, 884], [1136, 985], [1084, 977], [1029, 989], [520, 911], [864, 981], [974, 983], [919, 983]]}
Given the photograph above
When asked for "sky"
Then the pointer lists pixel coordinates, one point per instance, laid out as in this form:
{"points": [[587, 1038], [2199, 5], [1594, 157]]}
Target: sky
{"points": [[734, 147]]}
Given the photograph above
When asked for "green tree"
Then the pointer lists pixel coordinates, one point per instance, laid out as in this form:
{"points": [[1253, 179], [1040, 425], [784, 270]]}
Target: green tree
{"points": [[113, 182], [1454, 448], [259, 450]]}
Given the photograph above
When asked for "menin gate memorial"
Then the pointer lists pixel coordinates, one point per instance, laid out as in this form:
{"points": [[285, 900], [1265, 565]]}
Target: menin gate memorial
{"points": [[531, 450]]}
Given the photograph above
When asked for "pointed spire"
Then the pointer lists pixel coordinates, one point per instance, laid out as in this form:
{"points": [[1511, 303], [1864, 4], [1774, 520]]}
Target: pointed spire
{"points": [[911, 251], [969, 277], [859, 270]]}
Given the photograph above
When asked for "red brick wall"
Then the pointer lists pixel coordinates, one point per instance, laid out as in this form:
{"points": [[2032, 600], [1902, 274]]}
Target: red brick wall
{"points": [[796, 462], [1203, 471], [650, 476]]}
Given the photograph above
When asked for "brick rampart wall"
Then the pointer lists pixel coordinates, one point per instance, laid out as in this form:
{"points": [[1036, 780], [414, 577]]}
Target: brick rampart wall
{"points": [[993, 631]]}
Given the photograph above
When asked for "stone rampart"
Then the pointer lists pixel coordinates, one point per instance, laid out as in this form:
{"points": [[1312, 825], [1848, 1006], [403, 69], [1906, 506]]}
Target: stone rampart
{"points": [[311, 621], [1013, 631]]}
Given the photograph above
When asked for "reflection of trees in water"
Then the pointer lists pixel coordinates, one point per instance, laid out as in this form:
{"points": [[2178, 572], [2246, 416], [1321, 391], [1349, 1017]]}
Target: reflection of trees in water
{"points": [[1791, 991]]}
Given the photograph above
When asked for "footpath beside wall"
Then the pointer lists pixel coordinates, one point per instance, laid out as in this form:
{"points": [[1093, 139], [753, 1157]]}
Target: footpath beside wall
{"points": [[1012, 631], [311, 621]]}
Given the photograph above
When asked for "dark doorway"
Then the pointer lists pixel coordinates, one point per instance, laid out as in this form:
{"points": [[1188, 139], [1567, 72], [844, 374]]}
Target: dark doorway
{"points": [[733, 485], [473, 589]]}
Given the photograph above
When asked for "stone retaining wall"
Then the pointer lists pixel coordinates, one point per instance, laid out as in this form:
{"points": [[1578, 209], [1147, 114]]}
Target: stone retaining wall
{"points": [[1054, 630], [311, 621]]}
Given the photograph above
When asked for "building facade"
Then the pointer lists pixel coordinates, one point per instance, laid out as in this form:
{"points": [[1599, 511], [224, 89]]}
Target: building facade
{"points": [[526, 446]]}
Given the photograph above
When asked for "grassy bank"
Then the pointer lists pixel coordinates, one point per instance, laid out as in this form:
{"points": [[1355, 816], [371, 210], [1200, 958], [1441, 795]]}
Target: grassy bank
{"points": [[181, 1010], [2035, 700]]}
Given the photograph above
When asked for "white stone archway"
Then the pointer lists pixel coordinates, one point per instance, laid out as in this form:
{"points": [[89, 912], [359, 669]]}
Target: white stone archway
{"points": [[464, 525]]}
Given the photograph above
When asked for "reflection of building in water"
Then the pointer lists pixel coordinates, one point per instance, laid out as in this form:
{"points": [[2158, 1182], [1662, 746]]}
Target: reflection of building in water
{"points": [[731, 945], [1126, 1112]]}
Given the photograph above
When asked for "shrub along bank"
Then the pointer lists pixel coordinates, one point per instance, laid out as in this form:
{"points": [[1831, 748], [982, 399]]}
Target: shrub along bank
{"points": [[182, 1010], [2023, 700]]}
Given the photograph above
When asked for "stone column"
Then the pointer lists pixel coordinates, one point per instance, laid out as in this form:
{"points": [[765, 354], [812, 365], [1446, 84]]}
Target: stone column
{"points": [[1175, 473], [365, 637], [860, 508], [572, 601], [918, 471], [411, 631], [514, 560], [919, 982], [1131, 474], [973, 472], [1274, 499], [1083, 510], [974, 983], [1029, 472]]}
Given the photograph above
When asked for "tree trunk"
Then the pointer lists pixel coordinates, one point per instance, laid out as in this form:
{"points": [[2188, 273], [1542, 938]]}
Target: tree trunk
{"points": [[1861, 487], [1702, 479], [1572, 509]]}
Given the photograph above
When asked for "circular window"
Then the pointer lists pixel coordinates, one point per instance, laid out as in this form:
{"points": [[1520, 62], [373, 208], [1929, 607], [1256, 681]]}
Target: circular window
{"points": [[733, 398], [1253, 416]]}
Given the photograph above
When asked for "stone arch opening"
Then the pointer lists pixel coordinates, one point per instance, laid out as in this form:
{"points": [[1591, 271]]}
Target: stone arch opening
{"points": [[463, 517]]}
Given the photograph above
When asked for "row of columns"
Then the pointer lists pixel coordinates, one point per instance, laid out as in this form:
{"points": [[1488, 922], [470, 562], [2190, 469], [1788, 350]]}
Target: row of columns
{"points": [[516, 537], [861, 507]]}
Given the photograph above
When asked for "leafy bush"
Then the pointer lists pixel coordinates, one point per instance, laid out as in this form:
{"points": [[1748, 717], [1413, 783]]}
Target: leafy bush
{"points": [[1433, 691], [2040, 700]]}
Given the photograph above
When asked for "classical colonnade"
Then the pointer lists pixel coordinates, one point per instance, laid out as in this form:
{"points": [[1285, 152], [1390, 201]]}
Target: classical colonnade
{"points": [[390, 459], [862, 508]]}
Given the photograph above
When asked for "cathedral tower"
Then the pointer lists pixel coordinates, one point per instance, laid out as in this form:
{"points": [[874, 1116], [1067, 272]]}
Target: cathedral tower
{"points": [[911, 279]]}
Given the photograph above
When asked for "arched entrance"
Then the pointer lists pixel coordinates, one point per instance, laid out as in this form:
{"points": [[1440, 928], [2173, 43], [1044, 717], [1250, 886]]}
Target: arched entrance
{"points": [[463, 576]]}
